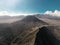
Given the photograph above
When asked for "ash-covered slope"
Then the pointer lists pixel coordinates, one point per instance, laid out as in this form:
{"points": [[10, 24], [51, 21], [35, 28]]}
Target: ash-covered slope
{"points": [[25, 30], [20, 32], [6, 35], [27, 23]]}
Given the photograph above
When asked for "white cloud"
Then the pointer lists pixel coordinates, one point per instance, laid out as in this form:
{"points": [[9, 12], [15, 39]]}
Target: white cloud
{"points": [[55, 13], [7, 13]]}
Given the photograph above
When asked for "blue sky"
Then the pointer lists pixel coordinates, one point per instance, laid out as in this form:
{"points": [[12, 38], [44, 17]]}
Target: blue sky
{"points": [[29, 6], [38, 6]]}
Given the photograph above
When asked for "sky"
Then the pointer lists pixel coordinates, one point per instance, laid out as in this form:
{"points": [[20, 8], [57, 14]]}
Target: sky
{"points": [[17, 7]]}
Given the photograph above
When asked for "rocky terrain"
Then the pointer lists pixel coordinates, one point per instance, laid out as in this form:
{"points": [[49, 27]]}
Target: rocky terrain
{"points": [[31, 30]]}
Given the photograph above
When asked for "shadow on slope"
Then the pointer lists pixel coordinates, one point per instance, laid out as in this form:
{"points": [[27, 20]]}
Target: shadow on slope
{"points": [[44, 37]]}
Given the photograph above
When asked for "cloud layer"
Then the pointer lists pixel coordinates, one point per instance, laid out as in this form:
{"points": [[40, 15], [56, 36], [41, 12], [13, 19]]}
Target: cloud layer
{"points": [[55, 13], [7, 13], [3, 13]]}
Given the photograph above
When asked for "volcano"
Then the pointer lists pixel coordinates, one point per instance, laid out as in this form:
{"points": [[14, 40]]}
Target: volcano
{"points": [[25, 29]]}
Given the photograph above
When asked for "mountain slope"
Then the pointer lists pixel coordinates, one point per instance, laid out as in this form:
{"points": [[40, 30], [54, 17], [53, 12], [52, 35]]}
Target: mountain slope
{"points": [[25, 30]]}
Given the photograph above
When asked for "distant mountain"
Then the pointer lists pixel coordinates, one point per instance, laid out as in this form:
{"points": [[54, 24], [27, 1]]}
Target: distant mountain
{"points": [[10, 17], [47, 16], [4, 17]]}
